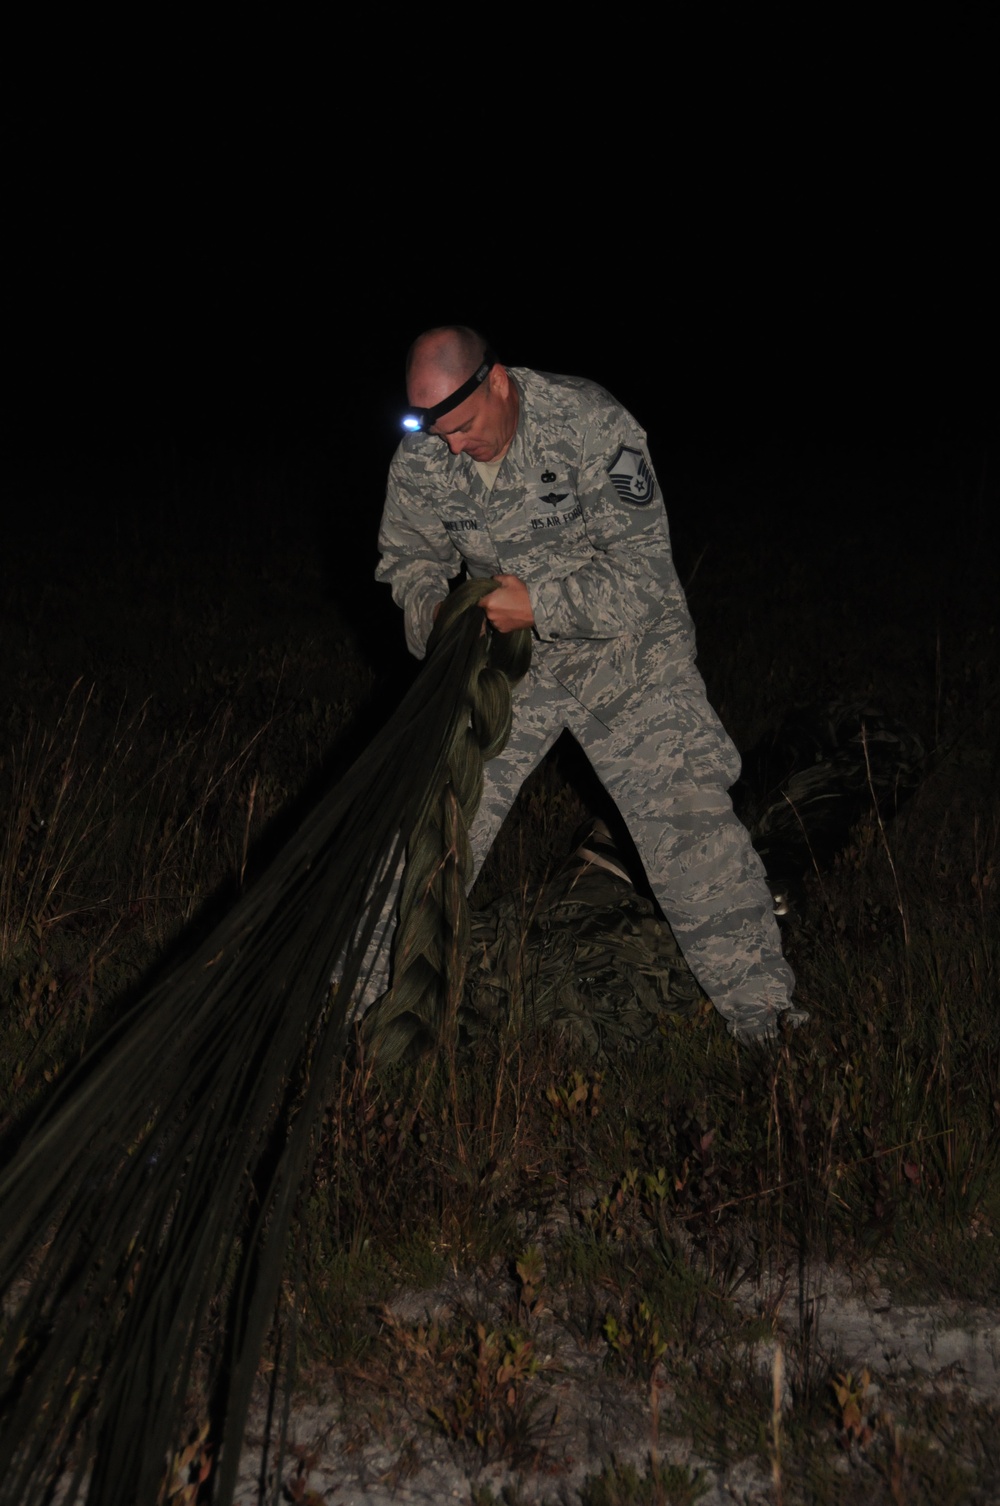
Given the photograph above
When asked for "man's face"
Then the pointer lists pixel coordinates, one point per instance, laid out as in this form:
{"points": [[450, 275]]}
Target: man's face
{"points": [[483, 426]]}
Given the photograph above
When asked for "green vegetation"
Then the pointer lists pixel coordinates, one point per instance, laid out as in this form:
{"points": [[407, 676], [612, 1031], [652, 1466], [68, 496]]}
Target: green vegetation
{"points": [[652, 1208]]}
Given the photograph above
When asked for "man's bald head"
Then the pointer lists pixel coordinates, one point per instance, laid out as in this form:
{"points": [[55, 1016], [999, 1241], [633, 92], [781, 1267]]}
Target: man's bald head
{"points": [[482, 424], [440, 360]]}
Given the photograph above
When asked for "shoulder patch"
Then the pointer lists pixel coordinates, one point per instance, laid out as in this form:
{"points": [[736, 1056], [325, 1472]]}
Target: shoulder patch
{"points": [[631, 477]]}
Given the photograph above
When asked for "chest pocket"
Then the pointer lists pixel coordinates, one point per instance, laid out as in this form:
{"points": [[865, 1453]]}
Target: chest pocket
{"points": [[550, 499]]}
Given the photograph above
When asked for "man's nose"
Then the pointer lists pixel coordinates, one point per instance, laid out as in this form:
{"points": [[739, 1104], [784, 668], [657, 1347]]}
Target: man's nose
{"points": [[455, 443]]}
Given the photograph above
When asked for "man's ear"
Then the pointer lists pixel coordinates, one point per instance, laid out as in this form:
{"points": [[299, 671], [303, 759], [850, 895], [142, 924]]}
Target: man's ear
{"points": [[499, 381]]}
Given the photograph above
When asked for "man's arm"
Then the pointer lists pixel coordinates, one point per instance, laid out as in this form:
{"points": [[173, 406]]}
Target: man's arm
{"points": [[418, 560]]}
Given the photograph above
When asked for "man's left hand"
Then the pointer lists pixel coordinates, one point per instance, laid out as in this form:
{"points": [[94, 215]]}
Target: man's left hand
{"points": [[509, 606]]}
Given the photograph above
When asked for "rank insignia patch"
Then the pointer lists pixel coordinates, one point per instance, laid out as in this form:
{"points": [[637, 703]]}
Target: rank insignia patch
{"points": [[631, 477]]}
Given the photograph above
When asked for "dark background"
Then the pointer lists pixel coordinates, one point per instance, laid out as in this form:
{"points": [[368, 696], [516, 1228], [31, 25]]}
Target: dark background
{"points": [[207, 323], [218, 317]]}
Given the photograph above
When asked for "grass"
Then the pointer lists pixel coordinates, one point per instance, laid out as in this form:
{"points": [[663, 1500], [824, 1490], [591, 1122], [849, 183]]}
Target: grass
{"points": [[624, 1207]]}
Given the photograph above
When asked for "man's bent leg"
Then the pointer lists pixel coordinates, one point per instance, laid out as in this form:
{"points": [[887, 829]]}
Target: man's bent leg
{"points": [[668, 766]]}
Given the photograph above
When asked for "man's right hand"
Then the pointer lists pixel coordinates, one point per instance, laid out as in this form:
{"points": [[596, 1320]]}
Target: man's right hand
{"points": [[509, 606]]}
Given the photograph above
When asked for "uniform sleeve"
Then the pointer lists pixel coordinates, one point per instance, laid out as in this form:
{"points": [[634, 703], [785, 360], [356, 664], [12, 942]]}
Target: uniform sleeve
{"points": [[629, 585], [418, 558]]}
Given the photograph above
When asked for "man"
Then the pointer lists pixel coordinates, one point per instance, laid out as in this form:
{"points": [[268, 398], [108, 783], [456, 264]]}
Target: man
{"points": [[544, 483]]}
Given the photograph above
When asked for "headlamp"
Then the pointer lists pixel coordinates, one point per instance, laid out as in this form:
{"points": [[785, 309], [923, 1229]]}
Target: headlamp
{"points": [[425, 418]]}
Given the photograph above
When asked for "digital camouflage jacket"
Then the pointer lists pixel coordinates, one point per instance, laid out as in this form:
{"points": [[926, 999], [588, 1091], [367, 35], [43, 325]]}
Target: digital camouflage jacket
{"points": [[577, 513]]}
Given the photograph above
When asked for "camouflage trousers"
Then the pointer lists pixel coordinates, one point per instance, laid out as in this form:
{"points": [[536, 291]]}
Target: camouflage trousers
{"points": [[667, 763]]}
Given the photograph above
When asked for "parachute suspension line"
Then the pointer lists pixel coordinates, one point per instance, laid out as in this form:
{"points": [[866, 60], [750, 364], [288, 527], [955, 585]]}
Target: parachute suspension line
{"points": [[433, 932]]}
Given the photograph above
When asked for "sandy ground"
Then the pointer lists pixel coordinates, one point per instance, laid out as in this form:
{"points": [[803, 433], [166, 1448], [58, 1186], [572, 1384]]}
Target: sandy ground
{"points": [[388, 1457]]}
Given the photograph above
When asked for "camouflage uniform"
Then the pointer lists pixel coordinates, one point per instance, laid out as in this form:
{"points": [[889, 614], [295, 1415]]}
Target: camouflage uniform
{"points": [[575, 513]]}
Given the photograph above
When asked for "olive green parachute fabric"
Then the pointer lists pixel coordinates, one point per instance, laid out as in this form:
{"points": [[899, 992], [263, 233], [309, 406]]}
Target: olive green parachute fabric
{"points": [[432, 936], [158, 1185]]}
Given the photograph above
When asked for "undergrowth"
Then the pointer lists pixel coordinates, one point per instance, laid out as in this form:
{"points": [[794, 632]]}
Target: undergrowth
{"points": [[636, 1203]]}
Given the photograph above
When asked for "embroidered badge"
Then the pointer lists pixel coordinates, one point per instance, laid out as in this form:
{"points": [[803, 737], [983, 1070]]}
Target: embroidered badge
{"points": [[545, 487], [631, 477]]}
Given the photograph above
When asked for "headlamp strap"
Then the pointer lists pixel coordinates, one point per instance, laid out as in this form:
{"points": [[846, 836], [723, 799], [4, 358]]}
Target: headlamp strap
{"points": [[429, 416]]}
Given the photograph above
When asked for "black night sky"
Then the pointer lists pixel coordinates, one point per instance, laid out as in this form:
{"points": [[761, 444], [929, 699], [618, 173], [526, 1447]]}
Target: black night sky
{"points": [[746, 322], [773, 301]]}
